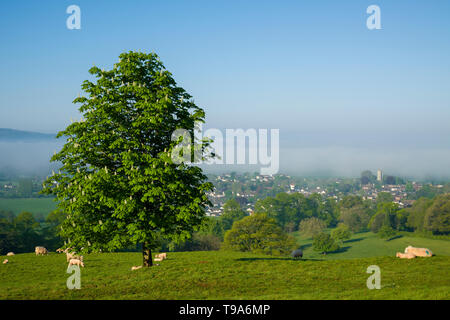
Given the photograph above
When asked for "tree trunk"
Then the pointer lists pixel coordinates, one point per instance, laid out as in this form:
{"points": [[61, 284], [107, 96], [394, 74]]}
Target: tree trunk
{"points": [[147, 255]]}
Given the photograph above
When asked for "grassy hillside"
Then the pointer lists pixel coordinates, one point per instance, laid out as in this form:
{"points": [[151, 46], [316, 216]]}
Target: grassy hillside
{"points": [[367, 244], [224, 275], [33, 205]]}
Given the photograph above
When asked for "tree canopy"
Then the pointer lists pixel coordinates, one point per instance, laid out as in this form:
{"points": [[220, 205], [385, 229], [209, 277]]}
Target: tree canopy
{"points": [[259, 233], [118, 183]]}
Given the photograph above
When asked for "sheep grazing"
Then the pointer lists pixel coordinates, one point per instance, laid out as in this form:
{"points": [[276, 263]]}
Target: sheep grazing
{"points": [[40, 251], [297, 253], [76, 262], [405, 255], [9, 254], [5, 261], [419, 252], [135, 268]]}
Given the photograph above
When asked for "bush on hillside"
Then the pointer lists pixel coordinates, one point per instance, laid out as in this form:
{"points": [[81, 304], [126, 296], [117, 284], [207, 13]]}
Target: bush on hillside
{"points": [[259, 234]]}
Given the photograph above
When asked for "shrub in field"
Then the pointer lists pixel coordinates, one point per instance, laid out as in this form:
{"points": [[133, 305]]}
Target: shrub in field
{"points": [[341, 233], [258, 233], [324, 243]]}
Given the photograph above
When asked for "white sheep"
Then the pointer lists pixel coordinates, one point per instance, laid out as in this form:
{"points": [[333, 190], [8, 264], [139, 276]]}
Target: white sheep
{"points": [[72, 255], [135, 268], [40, 251], [405, 255], [420, 252], [9, 254], [76, 262], [162, 256], [5, 261]]}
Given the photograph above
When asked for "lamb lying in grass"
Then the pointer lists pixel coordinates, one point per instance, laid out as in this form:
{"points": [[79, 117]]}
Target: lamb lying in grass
{"points": [[40, 251], [5, 261], [419, 252], [135, 268], [405, 255]]}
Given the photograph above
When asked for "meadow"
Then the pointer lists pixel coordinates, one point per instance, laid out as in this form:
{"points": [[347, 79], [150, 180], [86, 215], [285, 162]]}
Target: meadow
{"points": [[368, 244], [229, 275], [34, 205]]}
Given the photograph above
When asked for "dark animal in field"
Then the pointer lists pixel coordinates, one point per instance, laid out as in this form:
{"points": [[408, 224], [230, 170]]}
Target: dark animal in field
{"points": [[297, 253]]}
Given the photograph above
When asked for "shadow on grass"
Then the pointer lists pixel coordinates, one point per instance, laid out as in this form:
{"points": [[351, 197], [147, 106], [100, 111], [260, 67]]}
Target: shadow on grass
{"points": [[277, 258], [340, 250], [353, 240], [395, 237]]}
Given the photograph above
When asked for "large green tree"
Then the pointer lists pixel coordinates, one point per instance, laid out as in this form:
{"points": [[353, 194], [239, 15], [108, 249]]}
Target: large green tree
{"points": [[258, 233], [437, 218], [119, 183], [232, 211]]}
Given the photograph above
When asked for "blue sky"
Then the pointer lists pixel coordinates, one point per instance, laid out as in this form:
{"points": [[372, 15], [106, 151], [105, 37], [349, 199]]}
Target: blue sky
{"points": [[309, 68]]}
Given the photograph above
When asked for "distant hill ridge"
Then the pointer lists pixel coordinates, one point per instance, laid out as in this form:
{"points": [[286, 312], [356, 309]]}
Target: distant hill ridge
{"points": [[18, 135]]}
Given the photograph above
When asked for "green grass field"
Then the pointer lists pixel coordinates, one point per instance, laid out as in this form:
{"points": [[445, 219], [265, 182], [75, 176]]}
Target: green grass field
{"points": [[364, 245], [33, 205], [224, 275]]}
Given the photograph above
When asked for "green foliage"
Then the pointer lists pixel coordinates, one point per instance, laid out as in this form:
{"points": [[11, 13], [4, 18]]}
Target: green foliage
{"points": [[437, 218], [260, 234], [289, 209], [386, 215], [25, 188], [384, 197], [429, 191], [351, 201], [323, 242], [386, 232], [23, 233], [232, 211], [341, 233], [223, 275], [356, 217], [118, 183], [416, 214], [311, 226], [198, 242]]}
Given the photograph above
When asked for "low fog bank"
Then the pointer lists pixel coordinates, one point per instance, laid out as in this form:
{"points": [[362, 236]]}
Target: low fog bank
{"points": [[409, 162], [417, 163], [27, 158]]}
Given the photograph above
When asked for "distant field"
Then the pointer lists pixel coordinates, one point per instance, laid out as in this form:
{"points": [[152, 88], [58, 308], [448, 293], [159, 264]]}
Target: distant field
{"points": [[223, 275], [33, 205], [364, 245]]}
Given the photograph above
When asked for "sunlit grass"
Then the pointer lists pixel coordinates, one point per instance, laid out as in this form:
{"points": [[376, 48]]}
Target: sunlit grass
{"points": [[223, 275]]}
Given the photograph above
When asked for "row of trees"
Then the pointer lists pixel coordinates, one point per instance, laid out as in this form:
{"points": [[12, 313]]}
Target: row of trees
{"points": [[312, 215], [121, 182], [269, 228], [22, 233]]}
